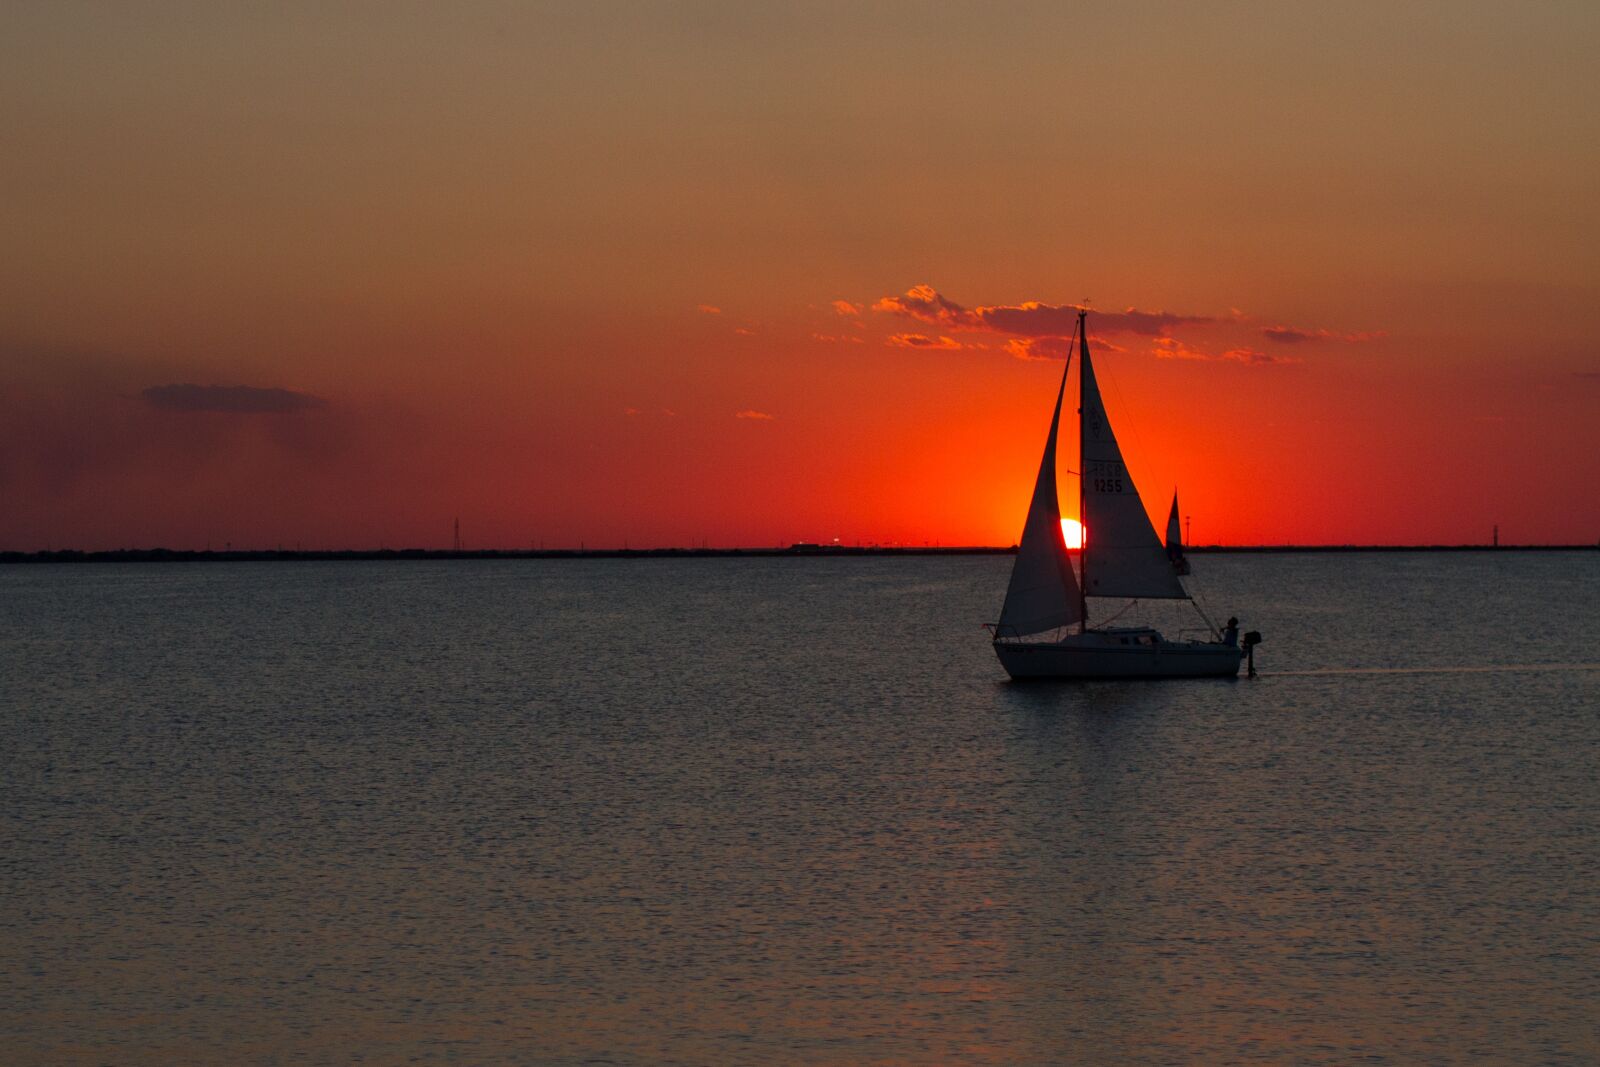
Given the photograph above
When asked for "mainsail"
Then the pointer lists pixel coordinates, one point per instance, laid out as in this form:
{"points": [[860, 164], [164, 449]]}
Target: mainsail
{"points": [[1123, 557], [1043, 594]]}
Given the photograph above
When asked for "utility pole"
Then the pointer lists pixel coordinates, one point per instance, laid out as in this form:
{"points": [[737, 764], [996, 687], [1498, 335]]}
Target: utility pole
{"points": [[1188, 539], [1497, 535], [458, 534]]}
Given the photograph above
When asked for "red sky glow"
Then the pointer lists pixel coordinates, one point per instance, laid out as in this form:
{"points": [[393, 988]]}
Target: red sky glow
{"points": [[748, 275]]}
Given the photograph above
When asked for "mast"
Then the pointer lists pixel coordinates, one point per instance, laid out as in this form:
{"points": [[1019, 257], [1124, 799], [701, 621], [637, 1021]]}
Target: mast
{"points": [[1083, 528]]}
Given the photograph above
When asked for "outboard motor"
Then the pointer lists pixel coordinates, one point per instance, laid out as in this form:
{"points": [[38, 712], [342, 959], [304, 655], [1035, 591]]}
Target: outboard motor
{"points": [[1251, 640]]}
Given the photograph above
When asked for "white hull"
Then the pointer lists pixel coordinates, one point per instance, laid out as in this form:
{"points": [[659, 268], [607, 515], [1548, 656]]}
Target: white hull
{"points": [[1118, 654]]}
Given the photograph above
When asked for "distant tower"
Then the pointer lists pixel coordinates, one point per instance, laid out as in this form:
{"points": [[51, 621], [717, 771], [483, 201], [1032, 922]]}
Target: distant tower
{"points": [[1188, 532], [458, 534]]}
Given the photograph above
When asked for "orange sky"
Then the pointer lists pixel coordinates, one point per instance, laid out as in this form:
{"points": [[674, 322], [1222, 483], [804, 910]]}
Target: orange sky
{"points": [[460, 257]]}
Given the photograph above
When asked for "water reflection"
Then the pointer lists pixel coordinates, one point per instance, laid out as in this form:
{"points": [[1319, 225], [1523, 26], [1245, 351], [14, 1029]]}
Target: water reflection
{"points": [[534, 813], [1209, 879]]}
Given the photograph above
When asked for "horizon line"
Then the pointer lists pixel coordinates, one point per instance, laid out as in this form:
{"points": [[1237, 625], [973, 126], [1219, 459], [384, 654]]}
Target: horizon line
{"points": [[797, 549]]}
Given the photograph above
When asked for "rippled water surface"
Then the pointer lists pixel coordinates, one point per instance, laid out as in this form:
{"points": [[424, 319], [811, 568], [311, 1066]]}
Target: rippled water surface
{"points": [[790, 811]]}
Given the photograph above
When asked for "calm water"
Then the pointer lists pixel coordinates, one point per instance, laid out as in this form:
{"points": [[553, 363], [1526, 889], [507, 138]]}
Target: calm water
{"points": [[789, 811]]}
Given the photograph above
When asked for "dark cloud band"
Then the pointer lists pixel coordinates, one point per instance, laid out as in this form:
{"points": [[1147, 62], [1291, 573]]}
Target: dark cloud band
{"points": [[1031, 318]]}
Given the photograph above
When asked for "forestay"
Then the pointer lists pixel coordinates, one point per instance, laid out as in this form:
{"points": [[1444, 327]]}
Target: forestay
{"points": [[1043, 593], [1123, 555]]}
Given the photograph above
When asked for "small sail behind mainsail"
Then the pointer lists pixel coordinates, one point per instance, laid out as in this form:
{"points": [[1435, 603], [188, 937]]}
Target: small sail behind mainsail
{"points": [[1123, 555], [1043, 593], [1180, 565]]}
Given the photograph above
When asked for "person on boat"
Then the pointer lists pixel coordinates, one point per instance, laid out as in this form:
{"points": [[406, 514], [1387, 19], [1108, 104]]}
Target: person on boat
{"points": [[1230, 636]]}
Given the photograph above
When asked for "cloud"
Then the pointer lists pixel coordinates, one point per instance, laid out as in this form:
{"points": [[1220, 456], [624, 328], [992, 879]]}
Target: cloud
{"points": [[1040, 331], [1289, 335], [758, 416], [708, 309], [1257, 359], [1040, 347], [87, 457], [1031, 318], [922, 340], [231, 399], [837, 339], [1034, 319], [924, 303], [844, 307], [743, 332], [1172, 348]]}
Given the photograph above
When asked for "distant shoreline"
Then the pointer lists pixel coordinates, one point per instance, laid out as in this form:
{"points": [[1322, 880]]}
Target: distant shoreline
{"points": [[168, 555]]}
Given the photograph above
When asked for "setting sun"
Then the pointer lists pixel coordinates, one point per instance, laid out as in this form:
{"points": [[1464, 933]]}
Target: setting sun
{"points": [[1072, 530]]}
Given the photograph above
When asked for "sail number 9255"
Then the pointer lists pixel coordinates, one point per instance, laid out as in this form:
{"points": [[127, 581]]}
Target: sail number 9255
{"points": [[1106, 477]]}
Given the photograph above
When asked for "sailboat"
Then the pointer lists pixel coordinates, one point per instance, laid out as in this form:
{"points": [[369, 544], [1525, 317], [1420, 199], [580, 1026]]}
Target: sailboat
{"points": [[1180, 564], [1044, 629]]}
